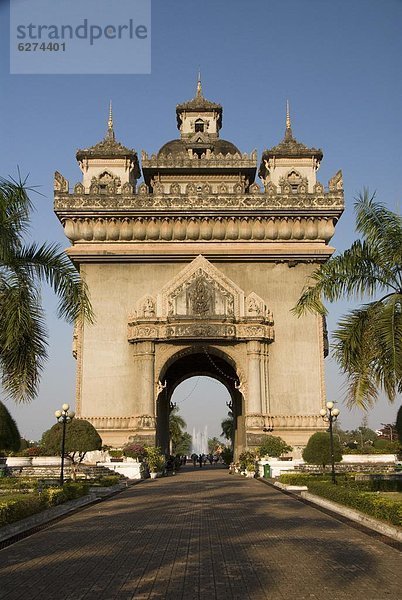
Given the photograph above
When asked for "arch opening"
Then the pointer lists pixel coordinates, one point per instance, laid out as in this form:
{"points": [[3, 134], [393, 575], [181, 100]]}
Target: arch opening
{"points": [[199, 361]]}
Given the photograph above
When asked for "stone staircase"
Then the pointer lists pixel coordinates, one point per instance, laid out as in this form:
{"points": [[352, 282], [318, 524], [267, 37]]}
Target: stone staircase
{"points": [[85, 471]]}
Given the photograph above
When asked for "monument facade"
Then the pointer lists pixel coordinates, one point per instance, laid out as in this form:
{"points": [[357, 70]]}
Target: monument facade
{"points": [[194, 271]]}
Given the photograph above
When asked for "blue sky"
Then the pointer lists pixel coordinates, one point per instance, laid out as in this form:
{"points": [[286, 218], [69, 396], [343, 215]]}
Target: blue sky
{"points": [[337, 61]]}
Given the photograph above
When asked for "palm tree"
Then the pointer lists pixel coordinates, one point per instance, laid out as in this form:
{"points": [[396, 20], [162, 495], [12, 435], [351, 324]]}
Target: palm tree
{"points": [[23, 336], [228, 427], [368, 340], [176, 426]]}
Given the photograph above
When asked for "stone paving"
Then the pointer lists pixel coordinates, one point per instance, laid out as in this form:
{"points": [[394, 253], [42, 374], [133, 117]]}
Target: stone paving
{"points": [[202, 534]]}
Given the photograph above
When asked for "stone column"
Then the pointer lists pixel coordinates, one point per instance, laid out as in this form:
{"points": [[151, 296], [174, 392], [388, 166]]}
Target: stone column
{"points": [[144, 356], [254, 377], [265, 404]]}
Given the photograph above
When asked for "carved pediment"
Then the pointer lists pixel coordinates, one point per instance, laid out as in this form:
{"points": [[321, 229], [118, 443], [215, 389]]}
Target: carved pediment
{"points": [[201, 291]]}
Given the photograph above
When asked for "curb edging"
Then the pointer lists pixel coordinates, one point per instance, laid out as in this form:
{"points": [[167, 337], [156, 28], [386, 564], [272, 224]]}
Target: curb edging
{"points": [[386, 529]]}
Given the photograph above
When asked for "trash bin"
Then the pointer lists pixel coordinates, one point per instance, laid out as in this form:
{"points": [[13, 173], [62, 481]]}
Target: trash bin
{"points": [[267, 471]]}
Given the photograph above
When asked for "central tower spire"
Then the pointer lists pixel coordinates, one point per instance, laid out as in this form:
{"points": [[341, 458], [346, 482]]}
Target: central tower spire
{"points": [[110, 130], [199, 87], [288, 131]]}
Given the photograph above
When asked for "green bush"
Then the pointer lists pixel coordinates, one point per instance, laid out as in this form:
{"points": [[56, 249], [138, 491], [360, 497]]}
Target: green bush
{"points": [[247, 460], [377, 485], [306, 478], [385, 509], [10, 439], [318, 449], [386, 446], [81, 437], [116, 453], [15, 509], [227, 455], [22, 484], [366, 450], [274, 446], [107, 480], [22, 506], [398, 424]]}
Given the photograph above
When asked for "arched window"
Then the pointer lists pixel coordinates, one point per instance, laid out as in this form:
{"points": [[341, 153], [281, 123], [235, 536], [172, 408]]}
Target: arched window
{"points": [[199, 125], [104, 179], [294, 179]]}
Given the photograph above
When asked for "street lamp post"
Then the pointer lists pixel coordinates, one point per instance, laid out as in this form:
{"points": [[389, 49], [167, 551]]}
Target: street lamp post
{"points": [[63, 416], [330, 415]]}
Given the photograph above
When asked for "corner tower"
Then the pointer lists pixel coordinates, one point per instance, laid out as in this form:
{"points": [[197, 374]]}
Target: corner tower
{"points": [[194, 272]]}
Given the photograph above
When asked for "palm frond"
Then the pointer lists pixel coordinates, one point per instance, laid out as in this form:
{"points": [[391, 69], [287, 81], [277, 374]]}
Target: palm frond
{"points": [[22, 338], [388, 333], [51, 264], [353, 274], [354, 352], [368, 349], [380, 227]]}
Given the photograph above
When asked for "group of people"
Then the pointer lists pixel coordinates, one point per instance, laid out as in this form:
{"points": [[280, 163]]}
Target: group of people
{"points": [[202, 459]]}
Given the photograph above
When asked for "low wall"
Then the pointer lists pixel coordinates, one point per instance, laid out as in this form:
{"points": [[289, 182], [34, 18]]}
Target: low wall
{"points": [[366, 463], [370, 458], [278, 466], [132, 470]]}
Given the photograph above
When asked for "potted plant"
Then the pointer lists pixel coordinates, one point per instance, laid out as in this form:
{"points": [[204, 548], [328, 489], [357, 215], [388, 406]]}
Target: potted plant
{"points": [[155, 460], [247, 462]]}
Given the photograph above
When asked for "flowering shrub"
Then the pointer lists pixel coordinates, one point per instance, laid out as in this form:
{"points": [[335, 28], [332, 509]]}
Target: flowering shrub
{"points": [[33, 451], [134, 451]]}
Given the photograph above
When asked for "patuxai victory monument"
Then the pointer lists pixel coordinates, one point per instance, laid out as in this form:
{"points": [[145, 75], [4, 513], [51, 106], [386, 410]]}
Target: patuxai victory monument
{"points": [[194, 271]]}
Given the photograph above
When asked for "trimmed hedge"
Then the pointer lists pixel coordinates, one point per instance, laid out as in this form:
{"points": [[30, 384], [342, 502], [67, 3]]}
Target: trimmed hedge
{"points": [[14, 509], [18, 483], [376, 485], [20, 507], [306, 478], [107, 481], [385, 509]]}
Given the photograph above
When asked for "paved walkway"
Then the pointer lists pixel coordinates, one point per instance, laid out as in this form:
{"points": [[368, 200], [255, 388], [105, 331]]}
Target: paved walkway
{"points": [[202, 534]]}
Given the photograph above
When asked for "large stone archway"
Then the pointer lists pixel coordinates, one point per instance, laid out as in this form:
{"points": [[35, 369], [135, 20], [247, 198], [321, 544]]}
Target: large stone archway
{"points": [[199, 255]]}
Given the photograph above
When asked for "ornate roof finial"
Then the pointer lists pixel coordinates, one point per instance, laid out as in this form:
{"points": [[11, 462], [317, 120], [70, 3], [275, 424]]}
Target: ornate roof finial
{"points": [[199, 87], [288, 126], [110, 131], [288, 131]]}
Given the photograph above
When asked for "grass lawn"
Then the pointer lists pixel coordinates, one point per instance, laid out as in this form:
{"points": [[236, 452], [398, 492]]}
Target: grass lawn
{"points": [[392, 495]]}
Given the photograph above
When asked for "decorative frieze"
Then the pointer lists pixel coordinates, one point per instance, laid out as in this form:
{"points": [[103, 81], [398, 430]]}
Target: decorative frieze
{"points": [[268, 199], [160, 229], [273, 422], [140, 422], [199, 330], [155, 161]]}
